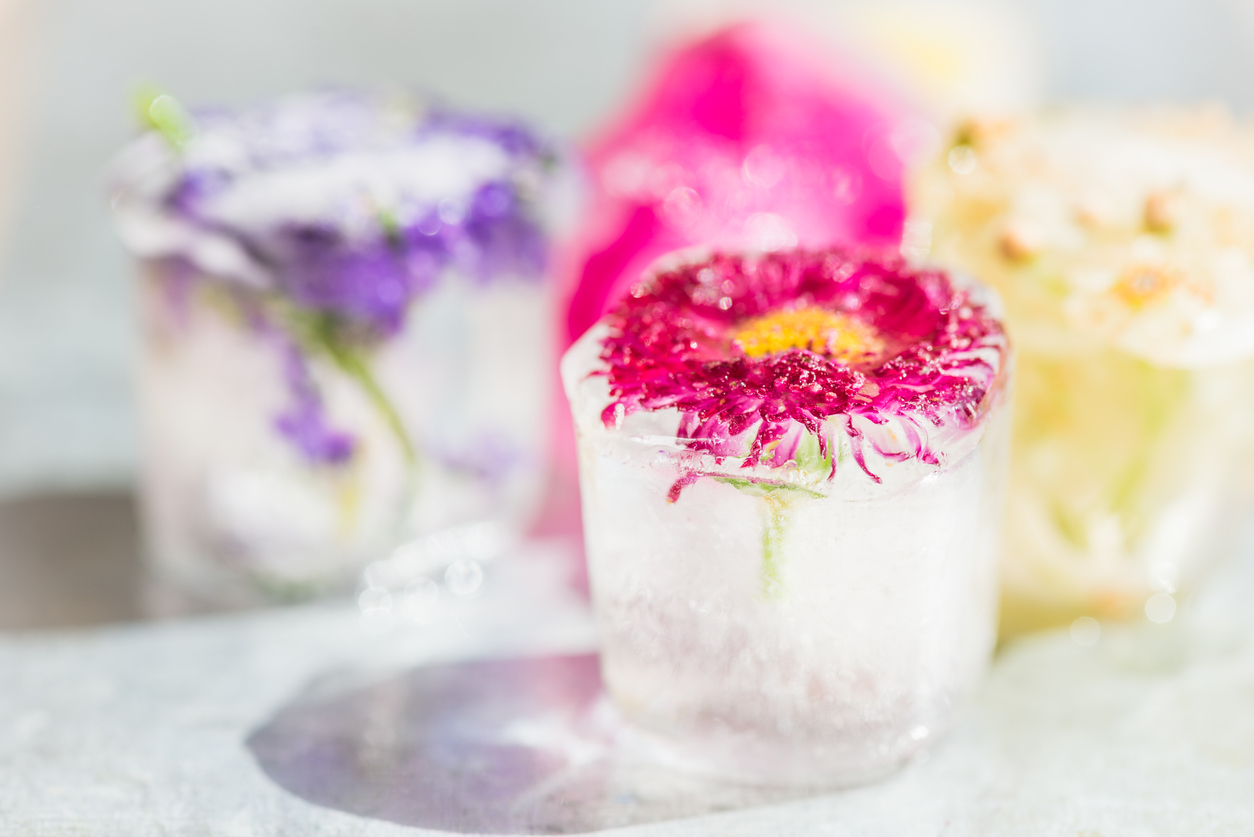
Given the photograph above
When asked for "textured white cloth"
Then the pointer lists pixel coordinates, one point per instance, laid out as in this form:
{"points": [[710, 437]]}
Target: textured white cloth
{"points": [[141, 730]]}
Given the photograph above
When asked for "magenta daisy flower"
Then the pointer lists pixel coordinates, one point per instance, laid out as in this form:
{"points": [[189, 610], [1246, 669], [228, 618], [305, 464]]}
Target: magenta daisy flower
{"points": [[759, 352]]}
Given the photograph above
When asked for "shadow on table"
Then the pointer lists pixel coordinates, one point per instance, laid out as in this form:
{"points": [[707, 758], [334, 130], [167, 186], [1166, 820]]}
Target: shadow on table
{"points": [[76, 560], [70, 560], [515, 746]]}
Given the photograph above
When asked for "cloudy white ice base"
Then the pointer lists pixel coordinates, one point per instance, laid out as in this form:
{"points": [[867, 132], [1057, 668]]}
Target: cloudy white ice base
{"points": [[233, 510], [832, 660]]}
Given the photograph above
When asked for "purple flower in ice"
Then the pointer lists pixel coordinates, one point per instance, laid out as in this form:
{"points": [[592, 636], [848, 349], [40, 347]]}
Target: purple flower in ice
{"points": [[320, 197], [327, 215], [304, 422]]}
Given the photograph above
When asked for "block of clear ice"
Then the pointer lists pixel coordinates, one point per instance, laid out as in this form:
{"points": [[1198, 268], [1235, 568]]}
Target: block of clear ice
{"points": [[1123, 246], [347, 335], [792, 469]]}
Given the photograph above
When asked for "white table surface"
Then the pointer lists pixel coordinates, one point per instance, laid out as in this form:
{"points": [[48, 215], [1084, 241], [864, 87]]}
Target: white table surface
{"points": [[142, 730]]}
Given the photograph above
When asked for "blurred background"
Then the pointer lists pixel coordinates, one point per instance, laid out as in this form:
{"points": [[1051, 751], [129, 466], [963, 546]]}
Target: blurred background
{"points": [[68, 69]]}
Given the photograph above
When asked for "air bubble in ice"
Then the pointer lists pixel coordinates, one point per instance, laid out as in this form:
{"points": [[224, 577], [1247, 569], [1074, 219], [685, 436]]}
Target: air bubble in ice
{"points": [[463, 577], [452, 212], [763, 167], [429, 225]]}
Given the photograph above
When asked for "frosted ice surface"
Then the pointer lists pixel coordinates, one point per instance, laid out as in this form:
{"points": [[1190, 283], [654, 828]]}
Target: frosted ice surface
{"points": [[819, 632], [231, 503]]}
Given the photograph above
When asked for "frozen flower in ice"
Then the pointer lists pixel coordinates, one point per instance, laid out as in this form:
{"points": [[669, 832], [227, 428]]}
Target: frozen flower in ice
{"points": [[791, 465], [346, 203], [759, 353], [1133, 230], [1122, 243], [325, 217]]}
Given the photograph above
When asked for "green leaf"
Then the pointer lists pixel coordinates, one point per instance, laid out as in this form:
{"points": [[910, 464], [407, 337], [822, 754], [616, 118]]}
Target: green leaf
{"points": [[164, 114]]}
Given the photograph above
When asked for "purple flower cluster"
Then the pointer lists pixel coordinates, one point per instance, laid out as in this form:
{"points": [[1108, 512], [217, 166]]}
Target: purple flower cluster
{"points": [[372, 282], [672, 346], [360, 224], [367, 270]]}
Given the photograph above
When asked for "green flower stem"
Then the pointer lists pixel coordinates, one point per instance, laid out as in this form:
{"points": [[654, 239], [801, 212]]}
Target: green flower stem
{"points": [[777, 502], [772, 543], [326, 333], [164, 114], [323, 333], [777, 498], [356, 368]]}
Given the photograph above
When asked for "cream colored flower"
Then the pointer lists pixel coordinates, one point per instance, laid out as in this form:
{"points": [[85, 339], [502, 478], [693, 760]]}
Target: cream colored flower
{"points": [[1130, 229]]}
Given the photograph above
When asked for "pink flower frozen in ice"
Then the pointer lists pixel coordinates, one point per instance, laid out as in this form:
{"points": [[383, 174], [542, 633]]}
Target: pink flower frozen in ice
{"points": [[756, 352]]}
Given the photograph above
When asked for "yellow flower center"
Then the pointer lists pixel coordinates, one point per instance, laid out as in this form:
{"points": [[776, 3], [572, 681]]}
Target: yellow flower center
{"points": [[823, 332]]}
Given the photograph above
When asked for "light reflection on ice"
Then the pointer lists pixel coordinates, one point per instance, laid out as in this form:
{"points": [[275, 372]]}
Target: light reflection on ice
{"points": [[1086, 630]]}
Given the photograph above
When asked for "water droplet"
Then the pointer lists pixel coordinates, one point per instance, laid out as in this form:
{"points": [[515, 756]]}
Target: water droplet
{"points": [[1086, 630], [919, 733], [464, 577]]}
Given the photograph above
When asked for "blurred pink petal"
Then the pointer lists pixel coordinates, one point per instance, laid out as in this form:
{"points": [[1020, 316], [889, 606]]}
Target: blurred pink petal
{"points": [[751, 137]]}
